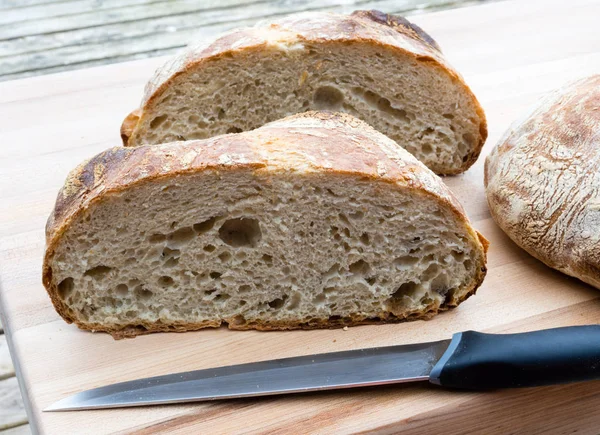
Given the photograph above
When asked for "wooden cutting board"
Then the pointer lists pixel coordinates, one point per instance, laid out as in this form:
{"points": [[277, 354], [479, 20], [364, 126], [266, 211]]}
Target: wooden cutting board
{"points": [[510, 52]]}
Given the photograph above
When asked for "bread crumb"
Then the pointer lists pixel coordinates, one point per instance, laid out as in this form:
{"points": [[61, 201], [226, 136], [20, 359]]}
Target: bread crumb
{"points": [[345, 328], [334, 340]]}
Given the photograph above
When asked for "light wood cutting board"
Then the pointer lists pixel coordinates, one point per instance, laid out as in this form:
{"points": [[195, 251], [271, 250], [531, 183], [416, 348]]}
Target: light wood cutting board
{"points": [[509, 52]]}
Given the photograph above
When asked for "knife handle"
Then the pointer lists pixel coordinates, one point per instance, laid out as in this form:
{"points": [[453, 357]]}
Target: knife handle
{"points": [[479, 361]]}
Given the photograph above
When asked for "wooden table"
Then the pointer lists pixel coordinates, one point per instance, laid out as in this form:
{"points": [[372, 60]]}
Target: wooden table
{"points": [[509, 52]]}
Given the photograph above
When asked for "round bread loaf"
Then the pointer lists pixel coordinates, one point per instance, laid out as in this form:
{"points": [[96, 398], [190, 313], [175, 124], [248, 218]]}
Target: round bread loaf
{"points": [[543, 181]]}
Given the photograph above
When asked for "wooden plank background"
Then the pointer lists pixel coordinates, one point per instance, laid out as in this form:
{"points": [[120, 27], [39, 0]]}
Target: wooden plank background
{"points": [[46, 36]]}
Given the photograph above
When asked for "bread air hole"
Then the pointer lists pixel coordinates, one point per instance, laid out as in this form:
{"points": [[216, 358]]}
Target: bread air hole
{"points": [[406, 289], [205, 226], [371, 280], [157, 238], [98, 272], [320, 299], [143, 293], [278, 303], [241, 232], [166, 281], [440, 283], [360, 267], [156, 122], [357, 215], [65, 287], [239, 320], [469, 140], [344, 219], [181, 236], [294, 301], [221, 297], [224, 257], [330, 291], [328, 98], [405, 262], [382, 104], [364, 239]]}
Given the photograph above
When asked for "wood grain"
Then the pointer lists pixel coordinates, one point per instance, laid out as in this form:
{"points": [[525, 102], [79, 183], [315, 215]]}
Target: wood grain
{"points": [[23, 429], [510, 53], [6, 367], [12, 411], [44, 38], [11, 403]]}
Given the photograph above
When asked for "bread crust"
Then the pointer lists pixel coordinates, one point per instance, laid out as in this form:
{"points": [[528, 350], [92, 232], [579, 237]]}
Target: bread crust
{"points": [[369, 27], [543, 180], [371, 155]]}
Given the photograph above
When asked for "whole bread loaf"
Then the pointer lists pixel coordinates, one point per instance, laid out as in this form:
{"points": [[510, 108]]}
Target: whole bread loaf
{"points": [[543, 181], [377, 67], [316, 220]]}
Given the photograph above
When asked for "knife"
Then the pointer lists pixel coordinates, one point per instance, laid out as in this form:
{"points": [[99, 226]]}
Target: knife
{"points": [[470, 360]]}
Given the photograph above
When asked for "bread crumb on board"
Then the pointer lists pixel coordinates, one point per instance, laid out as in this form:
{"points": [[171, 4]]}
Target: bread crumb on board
{"points": [[345, 328]]}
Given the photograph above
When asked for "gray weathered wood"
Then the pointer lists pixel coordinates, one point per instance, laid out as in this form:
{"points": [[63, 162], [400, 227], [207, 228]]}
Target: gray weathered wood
{"points": [[6, 367], [11, 4], [87, 64], [24, 429], [103, 17], [158, 26], [12, 410], [135, 31], [168, 24], [62, 8]]}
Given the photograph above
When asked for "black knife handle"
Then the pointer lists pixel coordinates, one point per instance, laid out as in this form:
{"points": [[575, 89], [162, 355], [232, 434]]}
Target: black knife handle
{"points": [[478, 361]]}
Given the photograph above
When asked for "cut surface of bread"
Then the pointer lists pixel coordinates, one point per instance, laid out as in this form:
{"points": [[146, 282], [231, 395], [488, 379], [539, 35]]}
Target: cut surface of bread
{"points": [[377, 67], [543, 180], [316, 220]]}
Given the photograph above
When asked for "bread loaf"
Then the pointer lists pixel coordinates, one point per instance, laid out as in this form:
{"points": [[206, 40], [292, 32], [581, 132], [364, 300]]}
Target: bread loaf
{"points": [[316, 220], [543, 181], [377, 67]]}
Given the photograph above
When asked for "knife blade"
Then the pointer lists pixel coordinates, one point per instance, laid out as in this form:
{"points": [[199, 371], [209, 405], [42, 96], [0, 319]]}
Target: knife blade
{"points": [[470, 360]]}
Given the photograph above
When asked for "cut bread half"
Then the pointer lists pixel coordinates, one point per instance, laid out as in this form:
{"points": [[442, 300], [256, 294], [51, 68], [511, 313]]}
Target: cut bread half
{"points": [[377, 67], [312, 221]]}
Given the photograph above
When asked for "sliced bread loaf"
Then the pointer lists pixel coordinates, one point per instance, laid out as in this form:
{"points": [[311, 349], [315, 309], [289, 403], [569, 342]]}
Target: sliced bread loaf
{"points": [[377, 67], [316, 220]]}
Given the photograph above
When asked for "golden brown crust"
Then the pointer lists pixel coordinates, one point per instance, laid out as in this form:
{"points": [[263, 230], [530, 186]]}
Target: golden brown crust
{"points": [[129, 124], [321, 142], [369, 27], [543, 177], [400, 25]]}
